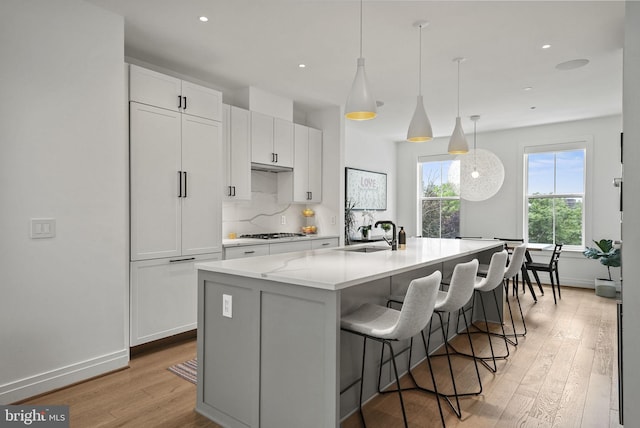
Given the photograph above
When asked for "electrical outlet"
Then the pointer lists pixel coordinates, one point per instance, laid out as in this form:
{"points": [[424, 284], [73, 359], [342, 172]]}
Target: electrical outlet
{"points": [[227, 305], [283, 219]]}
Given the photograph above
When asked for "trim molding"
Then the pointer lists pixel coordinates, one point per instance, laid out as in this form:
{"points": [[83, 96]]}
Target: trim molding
{"points": [[64, 376]]}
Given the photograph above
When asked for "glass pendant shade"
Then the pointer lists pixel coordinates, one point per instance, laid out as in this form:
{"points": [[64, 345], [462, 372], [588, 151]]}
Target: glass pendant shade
{"points": [[420, 126], [361, 105], [458, 142]]}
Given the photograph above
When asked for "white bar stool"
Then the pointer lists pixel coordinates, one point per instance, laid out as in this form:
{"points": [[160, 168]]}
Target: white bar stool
{"points": [[488, 284], [387, 325], [459, 293]]}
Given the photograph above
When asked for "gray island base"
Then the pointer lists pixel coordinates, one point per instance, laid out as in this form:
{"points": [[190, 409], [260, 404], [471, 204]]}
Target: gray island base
{"points": [[270, 350]]}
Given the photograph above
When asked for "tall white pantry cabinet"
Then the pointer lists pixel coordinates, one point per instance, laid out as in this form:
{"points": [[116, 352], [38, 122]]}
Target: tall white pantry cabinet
{"points": [[176, 212]]}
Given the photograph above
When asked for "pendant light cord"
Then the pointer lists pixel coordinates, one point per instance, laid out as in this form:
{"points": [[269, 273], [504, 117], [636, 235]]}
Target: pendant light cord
{"points": [[420, 65], [475, 122], [360, 28], [458, 88]]}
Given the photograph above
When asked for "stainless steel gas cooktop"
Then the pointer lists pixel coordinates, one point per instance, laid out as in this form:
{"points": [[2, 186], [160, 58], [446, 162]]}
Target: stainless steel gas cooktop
{"points": [[276, 235]]}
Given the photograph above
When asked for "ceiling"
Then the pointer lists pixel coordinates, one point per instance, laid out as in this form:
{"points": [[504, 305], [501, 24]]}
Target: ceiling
{"points": [[261, 42]]}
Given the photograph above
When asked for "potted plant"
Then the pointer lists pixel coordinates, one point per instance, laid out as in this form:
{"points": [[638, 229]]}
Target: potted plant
{"points": [[608, 256], [349, 221]]}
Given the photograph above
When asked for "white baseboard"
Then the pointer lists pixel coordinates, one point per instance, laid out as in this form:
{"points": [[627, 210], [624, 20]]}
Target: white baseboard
{"points": [[64, 376]]}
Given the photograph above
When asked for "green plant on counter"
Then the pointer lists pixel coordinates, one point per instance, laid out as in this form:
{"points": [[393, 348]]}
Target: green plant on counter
{"points": [[349, 220], [365, 231], [606, 253]]}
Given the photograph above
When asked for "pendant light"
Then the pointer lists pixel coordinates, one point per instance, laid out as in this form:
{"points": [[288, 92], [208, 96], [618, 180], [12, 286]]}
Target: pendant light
{"points": [[361, 104], [458, 143], [420, 126], [479, 176]]}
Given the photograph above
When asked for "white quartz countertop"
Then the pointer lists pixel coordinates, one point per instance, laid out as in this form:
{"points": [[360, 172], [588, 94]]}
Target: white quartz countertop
{"points": [[338, 268], [241, 242]]}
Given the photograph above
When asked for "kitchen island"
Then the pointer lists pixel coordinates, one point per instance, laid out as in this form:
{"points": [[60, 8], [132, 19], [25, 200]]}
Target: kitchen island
{"points": [[270, 350]]}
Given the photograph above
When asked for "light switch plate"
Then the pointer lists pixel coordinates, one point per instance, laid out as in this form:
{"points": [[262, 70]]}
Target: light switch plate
{"points": [[43, 228]]}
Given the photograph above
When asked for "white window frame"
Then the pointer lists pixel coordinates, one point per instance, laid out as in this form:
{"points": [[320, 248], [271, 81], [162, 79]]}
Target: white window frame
{"points": [[420, 198], [580, 143]]}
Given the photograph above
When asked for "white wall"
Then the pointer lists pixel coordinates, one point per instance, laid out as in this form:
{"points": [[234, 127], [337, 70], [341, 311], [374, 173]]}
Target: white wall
{"points": [[370, 152], [631, 226], [63, 155], [502, 215]]}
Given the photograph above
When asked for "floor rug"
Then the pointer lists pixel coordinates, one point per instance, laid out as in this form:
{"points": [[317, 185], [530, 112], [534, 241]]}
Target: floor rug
{"points": [[187, 370]]}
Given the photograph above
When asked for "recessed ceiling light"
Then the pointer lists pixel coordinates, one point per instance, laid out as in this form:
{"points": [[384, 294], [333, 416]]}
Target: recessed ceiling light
{"points": [[203, 19], [574, 63], [302, 65], [528, 88], [546, 46]]}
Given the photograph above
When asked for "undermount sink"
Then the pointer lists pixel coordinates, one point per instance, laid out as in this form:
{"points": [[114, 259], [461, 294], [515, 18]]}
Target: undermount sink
{"points": [[365, 249]]}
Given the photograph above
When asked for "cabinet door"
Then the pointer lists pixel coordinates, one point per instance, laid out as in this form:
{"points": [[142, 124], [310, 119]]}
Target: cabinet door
{"points": [[315, 165], [262, 138], [301, 164], [155, 165], [246, 251], [287, 247], [324, 243], [163, 297], [239, 162], [283, 142], [202, 102], [153, 88], [202, 196]]}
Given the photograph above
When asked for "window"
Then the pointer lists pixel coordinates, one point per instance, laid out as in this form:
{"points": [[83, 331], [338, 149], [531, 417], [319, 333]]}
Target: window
{"points": [[555, 196], [439, 200]]}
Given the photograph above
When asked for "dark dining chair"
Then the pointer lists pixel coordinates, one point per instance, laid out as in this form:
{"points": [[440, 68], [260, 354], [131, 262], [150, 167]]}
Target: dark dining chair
{"points": [[552, 268], [527, 260]]}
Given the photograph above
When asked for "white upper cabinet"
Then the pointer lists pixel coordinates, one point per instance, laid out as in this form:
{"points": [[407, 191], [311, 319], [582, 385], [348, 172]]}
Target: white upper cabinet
{"points": [[237, 184], [305, 183], [315, 165], [157, 89], [271, 141]]}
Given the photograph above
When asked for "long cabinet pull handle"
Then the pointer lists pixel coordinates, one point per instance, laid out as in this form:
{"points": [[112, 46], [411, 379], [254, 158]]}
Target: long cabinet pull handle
{"points": [[276, 158], [179, 184], [179, 102], [234, 190], [185, 184], [324, 244], [249, 252], [182, 260], [185, 102]]}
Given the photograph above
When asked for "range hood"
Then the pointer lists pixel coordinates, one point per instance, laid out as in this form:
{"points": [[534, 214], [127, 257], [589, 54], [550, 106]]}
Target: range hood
{"points": [[269, 167]]}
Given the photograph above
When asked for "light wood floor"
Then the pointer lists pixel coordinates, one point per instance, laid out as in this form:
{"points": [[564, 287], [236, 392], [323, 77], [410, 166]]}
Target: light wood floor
{"points": [[563, 374]]}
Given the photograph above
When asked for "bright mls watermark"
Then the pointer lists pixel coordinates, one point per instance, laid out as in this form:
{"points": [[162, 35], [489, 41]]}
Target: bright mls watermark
{"points": [[34, 416]]}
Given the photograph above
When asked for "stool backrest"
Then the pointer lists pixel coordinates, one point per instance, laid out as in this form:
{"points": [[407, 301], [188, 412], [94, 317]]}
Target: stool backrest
{"points": [[517, 258], [417, 308], [461, 286], [495, 273]]}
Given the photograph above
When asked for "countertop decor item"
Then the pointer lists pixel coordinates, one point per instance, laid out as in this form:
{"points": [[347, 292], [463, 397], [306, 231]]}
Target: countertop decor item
{"points": [[308, 212]]}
